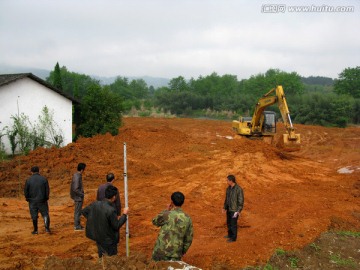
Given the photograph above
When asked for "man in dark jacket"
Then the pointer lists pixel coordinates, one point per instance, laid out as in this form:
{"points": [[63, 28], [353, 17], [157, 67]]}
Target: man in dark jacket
{"points": [[77, 194], [103, 224], [37, 192], [110, 177], [233, 205]]}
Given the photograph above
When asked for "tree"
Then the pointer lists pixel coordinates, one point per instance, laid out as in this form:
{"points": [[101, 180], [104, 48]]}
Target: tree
{"points": [[121, 87], [178, 84], [100, 112], [73, 83], [349, 82], [139, 89], [259, 84], [57, 77]]}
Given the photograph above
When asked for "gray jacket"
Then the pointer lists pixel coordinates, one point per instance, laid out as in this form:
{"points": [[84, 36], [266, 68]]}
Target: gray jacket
{"points": [[234, 200], [76, 188]]}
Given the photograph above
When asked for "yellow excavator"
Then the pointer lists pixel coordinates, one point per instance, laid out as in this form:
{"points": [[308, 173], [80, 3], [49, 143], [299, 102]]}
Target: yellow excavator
{"points": [[263, 123]]}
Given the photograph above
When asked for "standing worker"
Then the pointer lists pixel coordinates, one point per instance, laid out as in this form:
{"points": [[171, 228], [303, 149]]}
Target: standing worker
{"points": [[77, 194], [103, 224], [233, 205], [110, 178], [37, 192], [176, 232]]}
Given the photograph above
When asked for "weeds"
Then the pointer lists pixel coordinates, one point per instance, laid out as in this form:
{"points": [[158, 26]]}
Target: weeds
{"points": [[349, 233], [315, 246], [280, 252], [336, 258], [266, 267], [293, 262], [25, 136], [3, 155]]}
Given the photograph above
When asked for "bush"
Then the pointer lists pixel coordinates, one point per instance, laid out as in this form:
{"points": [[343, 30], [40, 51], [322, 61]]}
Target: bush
{"points": [[100, 112]]}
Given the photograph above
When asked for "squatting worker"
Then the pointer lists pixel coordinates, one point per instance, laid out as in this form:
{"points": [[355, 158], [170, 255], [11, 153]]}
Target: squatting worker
{"points": [[37, 192], [77, 194], [100, 195], [233, 205], [176, 232], [103, 224]]}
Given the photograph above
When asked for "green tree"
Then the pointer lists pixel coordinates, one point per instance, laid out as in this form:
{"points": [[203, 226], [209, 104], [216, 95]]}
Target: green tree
{"points": [[259, 84], [57, 77], [178, 84], [73, 84], [324, 110], [356, 111], [100, 112], [121, 87], [349, 82], [139, 89]]}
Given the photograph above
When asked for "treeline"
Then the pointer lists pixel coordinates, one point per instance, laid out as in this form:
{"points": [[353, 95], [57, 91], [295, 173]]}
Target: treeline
{"points": [[312, 100]]}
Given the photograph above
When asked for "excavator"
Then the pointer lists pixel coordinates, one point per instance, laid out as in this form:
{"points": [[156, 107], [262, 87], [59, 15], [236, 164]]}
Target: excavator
{"points": [[263, 123]]}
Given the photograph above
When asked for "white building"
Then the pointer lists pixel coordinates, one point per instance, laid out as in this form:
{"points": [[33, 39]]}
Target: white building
{"points": [[25, 93]]}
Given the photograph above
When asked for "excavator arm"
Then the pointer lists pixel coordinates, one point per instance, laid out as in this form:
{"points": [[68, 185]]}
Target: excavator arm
{"points": [[290, 137]]}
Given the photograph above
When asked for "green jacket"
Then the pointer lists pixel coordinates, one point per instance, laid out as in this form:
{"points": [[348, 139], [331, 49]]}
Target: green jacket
{"points": [[234, 200], [175, 236]]}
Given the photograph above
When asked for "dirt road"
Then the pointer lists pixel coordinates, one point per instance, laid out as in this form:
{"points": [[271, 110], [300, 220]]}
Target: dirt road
{"points": [[290, 198]]}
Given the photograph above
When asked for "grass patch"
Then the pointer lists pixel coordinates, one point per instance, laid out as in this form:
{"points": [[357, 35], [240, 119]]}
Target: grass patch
{"points": [[349, 233], [337, 259]]}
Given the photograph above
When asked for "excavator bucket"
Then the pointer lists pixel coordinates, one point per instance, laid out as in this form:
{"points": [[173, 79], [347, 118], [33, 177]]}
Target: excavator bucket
{"points": [[291, 143]]}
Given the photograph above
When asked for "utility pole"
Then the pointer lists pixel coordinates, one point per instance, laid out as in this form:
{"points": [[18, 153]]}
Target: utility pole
{"points": [[126, 201]]}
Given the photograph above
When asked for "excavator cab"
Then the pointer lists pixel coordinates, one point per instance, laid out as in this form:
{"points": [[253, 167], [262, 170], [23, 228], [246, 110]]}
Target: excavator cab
{"points": [[269, 125]]}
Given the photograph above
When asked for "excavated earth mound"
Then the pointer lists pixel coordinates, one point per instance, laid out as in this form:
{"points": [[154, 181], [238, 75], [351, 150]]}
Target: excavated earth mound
{"points": [[290, 197]]}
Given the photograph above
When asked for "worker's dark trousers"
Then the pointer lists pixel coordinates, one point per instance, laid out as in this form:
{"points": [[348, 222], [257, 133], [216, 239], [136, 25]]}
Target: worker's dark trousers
{"points": [[43, 208], [77, 213], [106, 249], [231, 225]]}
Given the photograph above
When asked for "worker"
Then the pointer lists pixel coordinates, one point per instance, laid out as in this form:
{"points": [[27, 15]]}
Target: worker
{"points": [[100, 195], [176, 231], [103, 224], [37, 192], [233, 205], [77, 194]]}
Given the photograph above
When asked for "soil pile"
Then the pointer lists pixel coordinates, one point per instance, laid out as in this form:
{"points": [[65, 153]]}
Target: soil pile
{"points": [[290, 198]]}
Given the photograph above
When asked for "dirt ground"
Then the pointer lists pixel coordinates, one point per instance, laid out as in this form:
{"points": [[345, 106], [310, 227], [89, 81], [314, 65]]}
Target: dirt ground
{"points": [[290, 198]]}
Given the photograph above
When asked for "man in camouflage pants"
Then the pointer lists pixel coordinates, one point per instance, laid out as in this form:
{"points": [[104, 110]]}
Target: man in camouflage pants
{"points": [[176, 232]]}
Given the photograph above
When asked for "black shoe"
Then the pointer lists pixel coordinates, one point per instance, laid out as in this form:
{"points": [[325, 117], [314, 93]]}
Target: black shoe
{"points": [[230, 240], [226, 236], [34, 232], [47, 230], [78, 228]]}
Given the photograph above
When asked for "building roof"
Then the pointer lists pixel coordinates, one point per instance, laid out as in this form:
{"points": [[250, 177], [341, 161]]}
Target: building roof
{"points": [[9, 78]]}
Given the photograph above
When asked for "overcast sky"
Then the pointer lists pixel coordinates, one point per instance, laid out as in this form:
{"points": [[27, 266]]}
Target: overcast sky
{"points": [[189, 38]]}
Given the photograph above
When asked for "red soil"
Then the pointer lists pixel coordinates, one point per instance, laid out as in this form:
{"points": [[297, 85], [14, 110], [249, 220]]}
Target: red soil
{"points": [[290, 198]]}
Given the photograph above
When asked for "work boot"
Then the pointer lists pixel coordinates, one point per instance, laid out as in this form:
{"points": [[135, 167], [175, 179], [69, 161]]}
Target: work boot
{"points": [[47, 224], [79, 228], [35, 224]]}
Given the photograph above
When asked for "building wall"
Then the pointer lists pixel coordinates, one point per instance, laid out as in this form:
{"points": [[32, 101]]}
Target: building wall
{"points": [[30, 97]]}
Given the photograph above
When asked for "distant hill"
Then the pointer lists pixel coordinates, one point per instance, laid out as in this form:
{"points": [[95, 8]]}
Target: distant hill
{"points": [[43, 74]]}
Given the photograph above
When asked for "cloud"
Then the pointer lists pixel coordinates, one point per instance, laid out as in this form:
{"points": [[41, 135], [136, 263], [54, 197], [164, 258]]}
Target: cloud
{"points": [[178, 38]]}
